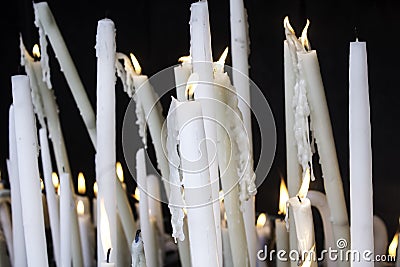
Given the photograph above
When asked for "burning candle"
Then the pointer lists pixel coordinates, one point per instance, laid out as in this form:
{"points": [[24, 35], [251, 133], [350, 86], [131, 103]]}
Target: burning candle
{"points": [[105, 237], [138, 258], [65, 215], [87, 234], [82, 192], [182, 73], [281, 233], [105, 157], [263, 228], [392, 248], [31, 202], [361, 200], [120, 174]]}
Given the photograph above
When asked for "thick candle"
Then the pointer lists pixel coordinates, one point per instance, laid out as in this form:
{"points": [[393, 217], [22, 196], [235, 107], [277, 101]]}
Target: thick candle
{"points": [[31, 200], [361, 200]]}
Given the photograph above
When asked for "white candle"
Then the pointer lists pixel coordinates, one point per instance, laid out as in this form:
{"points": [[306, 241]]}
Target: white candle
{"points": [[230, 178], [94, 204], [153, 185], [361, 201], [16, 211], [282, 242], [54, 212], [303, 220], [66, 207], [87, 234], [6, 225], [319, 201], [123, 253], [201, 52], [240, 52], [196, 177], [263, 228], [137, 249], [105, 241], [4, 257], [226, 248], [151, 245], [182, 73], [46, 23], [82, 192], [125, 214], [184, 246], [32, 208], [105, 157]]}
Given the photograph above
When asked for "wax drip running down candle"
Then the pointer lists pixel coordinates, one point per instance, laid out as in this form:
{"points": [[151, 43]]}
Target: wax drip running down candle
{"points": [[301, 108], [137, 250], [44, 59]]}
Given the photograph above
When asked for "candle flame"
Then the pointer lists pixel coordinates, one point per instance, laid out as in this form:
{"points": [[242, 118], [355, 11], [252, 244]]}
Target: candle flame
{"points": [[36, 51], [120, 172], [287, 25], [41, 184], [283, 197], [223, 56], [185, 59], [393, 245], [104, 228], [95, 189], [81, 184], [54, 179], [136, 65], [221, 195], [303, 38], [261, 220], [80, 208], [305, 184], [58, 190], [191, 85], [137, 194]]}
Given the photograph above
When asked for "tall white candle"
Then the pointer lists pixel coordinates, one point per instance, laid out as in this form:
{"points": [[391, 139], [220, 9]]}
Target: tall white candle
{"points": [[137, 250], [151, 245], [32, 208], [52, 203], [125, 214], [361, 200], [196, 177], [16, 211], [46, 23], [105, 241], [200, 40], [153, 185], [66, 207], [87, 235], [105, 157]]}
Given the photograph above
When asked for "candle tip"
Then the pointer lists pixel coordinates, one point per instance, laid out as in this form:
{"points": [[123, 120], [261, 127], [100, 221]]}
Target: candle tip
{"points": [[137, 235], [356, 33], [108, 255]]}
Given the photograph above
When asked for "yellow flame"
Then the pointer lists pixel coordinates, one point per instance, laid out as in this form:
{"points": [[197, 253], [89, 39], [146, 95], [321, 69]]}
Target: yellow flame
{"points": [[120, 172], [305, 184], [393, 245], [54, 179], [283, 197], [303, 38], [58, 190], [41, 184], [104, 228], [95, 189], [136, 64], [137, 194], [287, 25], [185, 59], [80, 208], [191, 85], [261, 220], [81, 184], [223, 56], [36, 51]]}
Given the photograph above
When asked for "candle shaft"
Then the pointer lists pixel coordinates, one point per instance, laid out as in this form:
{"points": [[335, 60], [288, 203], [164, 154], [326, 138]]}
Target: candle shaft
{"points": [[361, 201], [282, 242], [66, 207]]}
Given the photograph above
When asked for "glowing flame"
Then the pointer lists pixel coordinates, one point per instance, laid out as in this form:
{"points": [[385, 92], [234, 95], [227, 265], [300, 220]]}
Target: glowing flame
{"points": [[36, 51], [261, 220], [41, 184], [137, 194], [303, 38], [287, 25], [54, 179], [95, 189], [223, 56], [393, 245], [221, 195], [283, 197], [120, 172], [58, 190], [191, 85], [81, 184], [136, 64], [104, 228], [185, 59], [305, 184], [80, 208]]}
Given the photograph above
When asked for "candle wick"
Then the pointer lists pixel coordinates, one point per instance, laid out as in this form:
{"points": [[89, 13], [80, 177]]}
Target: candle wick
{"points": [[108, 255], [298, 197], [137, 235], [356, 33]]}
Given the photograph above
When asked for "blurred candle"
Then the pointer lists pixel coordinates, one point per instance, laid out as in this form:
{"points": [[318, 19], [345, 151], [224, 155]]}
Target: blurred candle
{"points": [[94, 204], [281, 233], [65, 215], [82, 192], [361, 200], [138, 258], [182, 73], [87, 234]]}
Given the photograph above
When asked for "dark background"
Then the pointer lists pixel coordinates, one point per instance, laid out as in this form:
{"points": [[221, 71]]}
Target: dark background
{"points": [[158, 33]]}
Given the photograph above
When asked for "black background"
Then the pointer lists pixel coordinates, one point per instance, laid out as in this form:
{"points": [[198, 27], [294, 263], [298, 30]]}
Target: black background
{"points": [[158, 33]]}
